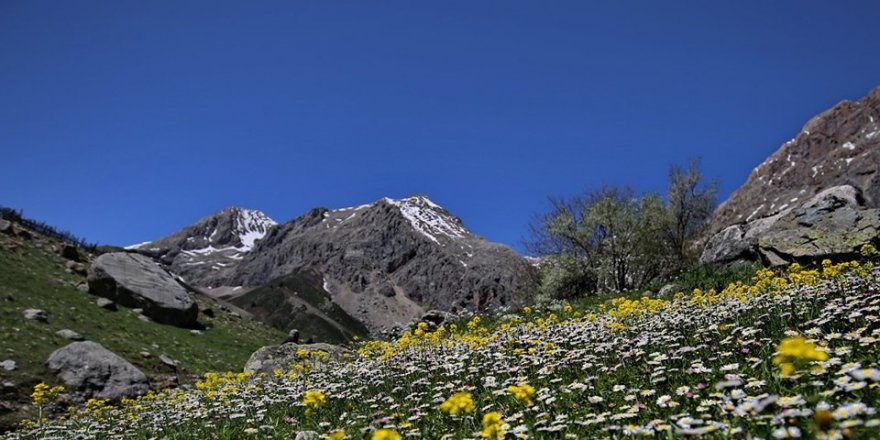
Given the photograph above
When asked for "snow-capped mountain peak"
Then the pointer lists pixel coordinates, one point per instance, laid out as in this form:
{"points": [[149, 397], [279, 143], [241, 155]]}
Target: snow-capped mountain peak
{"points": [[429, 218], [250, 225]]}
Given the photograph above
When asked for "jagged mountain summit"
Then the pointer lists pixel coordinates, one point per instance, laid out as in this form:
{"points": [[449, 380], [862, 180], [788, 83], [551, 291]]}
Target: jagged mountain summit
{"points": [[840, 146], [207, 250], [386, 262], [817, 196]]}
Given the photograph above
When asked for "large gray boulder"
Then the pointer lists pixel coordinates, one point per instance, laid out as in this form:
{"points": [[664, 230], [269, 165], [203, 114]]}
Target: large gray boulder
{"points": [[137, 281], [281, 357], [831, 224], [90, 370]]}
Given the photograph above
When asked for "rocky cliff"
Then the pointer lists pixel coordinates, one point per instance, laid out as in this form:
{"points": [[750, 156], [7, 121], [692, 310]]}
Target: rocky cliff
{"points": [[796, 204]]}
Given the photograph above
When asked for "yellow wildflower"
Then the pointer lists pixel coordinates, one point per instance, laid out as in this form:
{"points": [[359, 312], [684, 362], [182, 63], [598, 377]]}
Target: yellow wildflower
{"points": [[335, 435], [493, 426], [522, 392], [794, 353], [458, 403], [314, 399], [386, 434]]}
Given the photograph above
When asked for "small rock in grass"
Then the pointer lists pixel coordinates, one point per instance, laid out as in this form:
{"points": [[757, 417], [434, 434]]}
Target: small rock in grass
{"points": [[69, 334], [196, 332], [146, 354], [168, 361], [74, 267], [8, 365], [106, 304], [36, 315]]}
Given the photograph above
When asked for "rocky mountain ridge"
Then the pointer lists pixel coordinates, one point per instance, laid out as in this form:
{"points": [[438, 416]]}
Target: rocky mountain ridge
{"points": [[384, 263]]}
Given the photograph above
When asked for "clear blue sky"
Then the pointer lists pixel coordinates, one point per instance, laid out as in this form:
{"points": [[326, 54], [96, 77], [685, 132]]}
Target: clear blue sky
{"points": [[123, 121]]}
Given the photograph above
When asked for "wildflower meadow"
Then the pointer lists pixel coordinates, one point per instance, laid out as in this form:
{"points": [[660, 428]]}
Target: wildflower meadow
{"points": [[790, 354]]}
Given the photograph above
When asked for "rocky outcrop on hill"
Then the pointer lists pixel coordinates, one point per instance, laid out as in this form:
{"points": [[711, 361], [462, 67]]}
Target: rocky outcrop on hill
{"points": [[282, 357], [832, 224], [138, 282], [815, 197], [841, 146], [90, 370], [386, 262], [207, 251]]}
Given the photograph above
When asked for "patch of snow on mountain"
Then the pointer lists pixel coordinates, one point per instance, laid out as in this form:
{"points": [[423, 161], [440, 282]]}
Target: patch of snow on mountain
{"points": [[251, 226], [849, 146], [428, 218], [137, 246], [353, 208]]}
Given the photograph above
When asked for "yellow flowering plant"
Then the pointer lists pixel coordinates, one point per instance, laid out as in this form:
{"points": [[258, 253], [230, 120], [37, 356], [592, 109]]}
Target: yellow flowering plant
{"points": [[795, 353], [459, 403]]}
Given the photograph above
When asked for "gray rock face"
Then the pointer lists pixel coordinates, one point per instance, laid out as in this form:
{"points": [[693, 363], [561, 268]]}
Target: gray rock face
{"points": [[839, 147], [206, 252], [93, 371], [69, 334], [281, 357], [386, 262], [137, 281], [833, 223], [36, 315]]}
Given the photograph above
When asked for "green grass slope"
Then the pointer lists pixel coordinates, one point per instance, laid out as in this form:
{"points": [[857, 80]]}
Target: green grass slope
{"points": [[32, 275], [296, 301]]}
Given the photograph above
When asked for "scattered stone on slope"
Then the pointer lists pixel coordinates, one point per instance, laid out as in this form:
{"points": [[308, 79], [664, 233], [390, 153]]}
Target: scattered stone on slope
{"points": [[668, 290], [168, 361], [106, 304], [74, 267], [137, 281], [69, 252], [9, 365], [281, 357], [436, 318], [67, 333], [6, 226], [36, 315], [90, 370]]}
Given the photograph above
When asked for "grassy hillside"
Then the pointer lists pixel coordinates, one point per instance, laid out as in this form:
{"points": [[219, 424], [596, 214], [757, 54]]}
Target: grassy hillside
{"points": [[790, 353], [32, 275], [294, 301]]}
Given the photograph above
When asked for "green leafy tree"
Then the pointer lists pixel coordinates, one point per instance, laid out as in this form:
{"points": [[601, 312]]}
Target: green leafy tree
{"points": [[612, 239]]}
